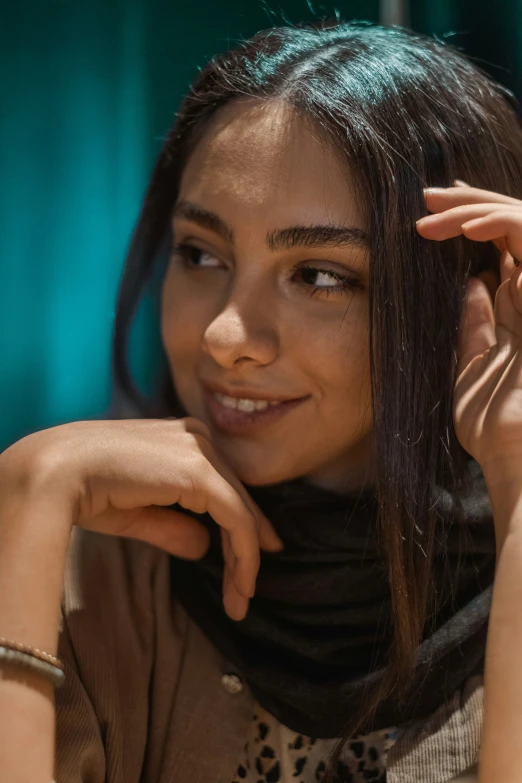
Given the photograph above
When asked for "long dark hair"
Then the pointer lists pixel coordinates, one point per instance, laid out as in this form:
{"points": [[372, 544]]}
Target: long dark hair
{"points": [[403, 112]]}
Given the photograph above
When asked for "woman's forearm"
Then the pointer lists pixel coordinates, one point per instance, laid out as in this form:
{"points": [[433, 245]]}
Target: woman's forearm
{"points": [[34, 533], [501, 746]]}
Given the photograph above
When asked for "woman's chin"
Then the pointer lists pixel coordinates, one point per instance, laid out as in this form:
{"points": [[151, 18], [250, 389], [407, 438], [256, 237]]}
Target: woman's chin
{"points": [[259, 475], [257, 478], [258, 464]]}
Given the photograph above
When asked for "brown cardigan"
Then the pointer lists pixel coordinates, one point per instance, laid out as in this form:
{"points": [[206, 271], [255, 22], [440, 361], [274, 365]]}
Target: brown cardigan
{"points": [[143, 699]]}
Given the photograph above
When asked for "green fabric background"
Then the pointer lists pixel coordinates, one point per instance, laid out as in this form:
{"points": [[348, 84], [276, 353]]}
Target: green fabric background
{"points": [[88, 90]]}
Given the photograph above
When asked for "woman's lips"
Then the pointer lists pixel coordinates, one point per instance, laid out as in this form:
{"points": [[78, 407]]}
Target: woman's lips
{"points": [[237, 422]]}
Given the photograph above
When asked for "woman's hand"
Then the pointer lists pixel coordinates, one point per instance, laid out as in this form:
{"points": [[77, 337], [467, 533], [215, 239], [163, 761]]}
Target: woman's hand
{"points": [[488, 391], [117, 475], [488, 423]]}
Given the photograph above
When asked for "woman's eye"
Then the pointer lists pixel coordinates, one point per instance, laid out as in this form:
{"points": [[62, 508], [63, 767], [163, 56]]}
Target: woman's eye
{"points": [[195, 258], [315, 279], [327, 281]]}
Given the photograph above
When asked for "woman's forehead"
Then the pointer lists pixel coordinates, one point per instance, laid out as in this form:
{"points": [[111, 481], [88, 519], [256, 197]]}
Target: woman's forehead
{"points": [[263, 156]]}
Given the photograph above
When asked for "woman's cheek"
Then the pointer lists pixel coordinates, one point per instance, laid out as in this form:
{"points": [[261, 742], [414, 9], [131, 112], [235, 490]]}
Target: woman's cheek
{"points": [[185, 318]]}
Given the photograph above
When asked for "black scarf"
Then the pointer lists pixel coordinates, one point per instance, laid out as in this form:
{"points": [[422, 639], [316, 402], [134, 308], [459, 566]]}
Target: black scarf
{"points": [[317, 630]]}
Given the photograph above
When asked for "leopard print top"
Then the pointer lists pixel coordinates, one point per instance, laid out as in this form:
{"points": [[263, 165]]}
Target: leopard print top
{"points": [[275, 754]]}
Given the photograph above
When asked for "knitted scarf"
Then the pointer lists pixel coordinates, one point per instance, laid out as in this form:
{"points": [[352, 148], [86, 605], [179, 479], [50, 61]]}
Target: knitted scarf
{"points": [[318, 628]]}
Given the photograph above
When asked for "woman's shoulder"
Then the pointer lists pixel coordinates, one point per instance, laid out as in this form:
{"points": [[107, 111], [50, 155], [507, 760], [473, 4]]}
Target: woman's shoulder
{"points": [[116, 600], [100, 565]]}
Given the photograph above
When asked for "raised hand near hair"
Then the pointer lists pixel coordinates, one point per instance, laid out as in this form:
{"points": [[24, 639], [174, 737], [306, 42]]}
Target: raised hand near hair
{"points": [[119, 476], [487, 414], [488, 390]]}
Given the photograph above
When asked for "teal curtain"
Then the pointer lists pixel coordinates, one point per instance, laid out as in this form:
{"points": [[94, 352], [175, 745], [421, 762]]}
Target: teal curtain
{"points": [[88, 91], [490, 33], [74, 155]]}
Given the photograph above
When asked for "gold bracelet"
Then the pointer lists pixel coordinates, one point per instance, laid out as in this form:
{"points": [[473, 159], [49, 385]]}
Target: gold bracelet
{"points": [[34, 651], [28, 661], [32, 658]]}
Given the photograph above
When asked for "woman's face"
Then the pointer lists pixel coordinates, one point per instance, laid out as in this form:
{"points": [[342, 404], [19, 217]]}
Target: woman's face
{"points": [[267, 300]]}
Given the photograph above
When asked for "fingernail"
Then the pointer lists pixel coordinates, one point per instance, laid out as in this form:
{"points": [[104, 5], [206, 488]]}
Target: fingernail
{"points": [[235, 606], [276, 541], [461, 183]]}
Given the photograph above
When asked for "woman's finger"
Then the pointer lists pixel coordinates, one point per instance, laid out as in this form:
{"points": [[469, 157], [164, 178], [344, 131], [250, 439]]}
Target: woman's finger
{"points": [[235, 603], [438, 199], [448, 224], [243, 532], [498, 224], [507, 265], [477, 328], [244, 529], [216, 496], [448, 208], [268, 537], [173, 531]]}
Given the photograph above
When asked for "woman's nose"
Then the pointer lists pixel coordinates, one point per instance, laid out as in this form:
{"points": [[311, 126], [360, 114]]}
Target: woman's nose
{"points": [[239, 334]]}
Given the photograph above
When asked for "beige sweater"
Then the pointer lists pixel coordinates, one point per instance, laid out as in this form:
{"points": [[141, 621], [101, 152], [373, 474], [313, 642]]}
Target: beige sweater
{"points": [[145, 699]]}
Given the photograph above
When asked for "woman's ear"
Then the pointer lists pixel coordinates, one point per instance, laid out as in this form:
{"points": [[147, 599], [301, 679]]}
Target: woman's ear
{"points": [[491, 278]]}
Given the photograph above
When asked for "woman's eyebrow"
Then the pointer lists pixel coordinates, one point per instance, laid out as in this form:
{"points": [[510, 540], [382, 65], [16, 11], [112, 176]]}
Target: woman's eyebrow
{"points": [[279, 238]]}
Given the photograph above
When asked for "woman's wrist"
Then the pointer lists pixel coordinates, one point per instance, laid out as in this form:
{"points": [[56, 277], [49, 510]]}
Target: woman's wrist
{"points": [[502, 726], [35, 525], [35, 528], [504, 485], [503, 676]]}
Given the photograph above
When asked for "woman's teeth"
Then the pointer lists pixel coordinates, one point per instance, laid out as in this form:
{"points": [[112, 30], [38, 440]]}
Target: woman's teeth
{"points": [[241, 404]]}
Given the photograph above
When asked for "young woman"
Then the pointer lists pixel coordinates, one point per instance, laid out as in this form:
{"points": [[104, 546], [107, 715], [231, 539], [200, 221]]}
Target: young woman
{"points": [[282, 568]]}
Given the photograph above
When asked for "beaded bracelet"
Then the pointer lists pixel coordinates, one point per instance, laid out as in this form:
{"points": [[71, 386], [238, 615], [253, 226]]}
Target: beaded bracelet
{"points": [[32, 658]]}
